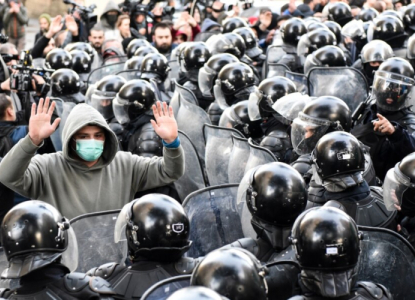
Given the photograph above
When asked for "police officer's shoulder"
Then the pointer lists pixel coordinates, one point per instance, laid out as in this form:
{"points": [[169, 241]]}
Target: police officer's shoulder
{"points": [[101, 286], [116, 127], [186, 265], [248, 244], [373, 290], [78, 282], [106, 270]]}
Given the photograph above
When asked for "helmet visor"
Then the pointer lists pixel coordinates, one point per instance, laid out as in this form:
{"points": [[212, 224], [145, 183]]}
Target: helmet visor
{"points": [[219, 96], [206, 81], [120, 111], [305, 133], [253, 108], [103, 104], [391, 90], [289, 106], [71, 254], [121, 223], [303, 45], [394, 186]]}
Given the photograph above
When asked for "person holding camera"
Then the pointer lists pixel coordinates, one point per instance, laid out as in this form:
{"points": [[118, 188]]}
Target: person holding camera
{"points": [[14, 19]]}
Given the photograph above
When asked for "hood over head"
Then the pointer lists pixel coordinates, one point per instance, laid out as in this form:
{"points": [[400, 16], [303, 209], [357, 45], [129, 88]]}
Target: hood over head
{"points": [[80, 116], [207, 24], [111, 5]]}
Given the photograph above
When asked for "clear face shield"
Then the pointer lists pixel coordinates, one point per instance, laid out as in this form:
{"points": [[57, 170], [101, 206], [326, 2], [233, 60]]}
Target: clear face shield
{"points": [[303, 45], [102, 101], [306, 131], [219, 96], [206, 81], [120, 108], [394, 186], [253, 105], [121, 224], [391, 90], [71, 254], [289, 106]]}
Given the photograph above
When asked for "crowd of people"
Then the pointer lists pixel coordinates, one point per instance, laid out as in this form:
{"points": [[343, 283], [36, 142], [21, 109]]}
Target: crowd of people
{"points": [[241, 151]]}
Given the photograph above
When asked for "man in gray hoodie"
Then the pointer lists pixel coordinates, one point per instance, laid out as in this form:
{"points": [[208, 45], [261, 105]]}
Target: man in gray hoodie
{"points": [[90, 174], [108, 20]]}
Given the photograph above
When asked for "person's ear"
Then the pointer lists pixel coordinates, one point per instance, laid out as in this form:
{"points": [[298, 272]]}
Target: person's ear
{"points": [[10, 112]]}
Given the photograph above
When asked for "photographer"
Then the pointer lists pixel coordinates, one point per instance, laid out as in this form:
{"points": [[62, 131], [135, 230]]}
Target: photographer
{"points": [[14, 19]]}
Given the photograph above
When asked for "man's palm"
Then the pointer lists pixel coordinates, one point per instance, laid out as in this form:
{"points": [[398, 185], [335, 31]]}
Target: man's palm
{"points": [[165, 124], [40, 127]]}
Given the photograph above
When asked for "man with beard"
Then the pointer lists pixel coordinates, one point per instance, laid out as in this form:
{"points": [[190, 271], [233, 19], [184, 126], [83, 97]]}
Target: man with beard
{"points": [[96, 39], [44, 24], [162, 39]]}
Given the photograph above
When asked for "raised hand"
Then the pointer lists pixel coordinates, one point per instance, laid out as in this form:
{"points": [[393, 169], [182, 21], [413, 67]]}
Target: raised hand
{"points": [[39, 122], [71, 25], [383, 125], [165, 124], [55, 26]]}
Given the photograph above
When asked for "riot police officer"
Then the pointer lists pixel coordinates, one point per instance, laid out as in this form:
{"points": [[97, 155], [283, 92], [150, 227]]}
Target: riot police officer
{"points": [[329, 263], [39, 245], [234, 23], [327, 56], [155, 67], [409, 19], [105, 91], [253, 51], [191, 59], [157, 232], [340, 13], [277, 138], [144, 50], [95, 57], [368, 14], [134, 45], [196, 293], [66, 85], [133, 66], [338, 164], [58, 59], [233, 273], [372, 55], [385, 122], [81, 64]]}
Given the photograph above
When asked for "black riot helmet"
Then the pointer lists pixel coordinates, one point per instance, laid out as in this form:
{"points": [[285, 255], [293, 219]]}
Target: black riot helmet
{"points": [[388, 29], [156, 227], [230, 43], [192, 58], [34, 234], [134, 99], [195, 293], [320, 116], [87, 47], [58, 59], [326, 239], [338, 153], [66, 84], [144, 50], [234, 273], [314, 40], [374, 51], [392, 84], [155, 65], [105, 91], [233, 23], [340, 12], [392, 13], [134, 45], [81, 62], [409, 18], [235, 83], [327, 56], [267, 93], [134, 63], [292, 30], [252, 49], [277, 195], [209, 72], [336, 29], [368, 14], [315, 25]]}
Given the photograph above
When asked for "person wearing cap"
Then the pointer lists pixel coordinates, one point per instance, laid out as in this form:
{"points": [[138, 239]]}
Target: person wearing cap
{"points": [[44, 24]]}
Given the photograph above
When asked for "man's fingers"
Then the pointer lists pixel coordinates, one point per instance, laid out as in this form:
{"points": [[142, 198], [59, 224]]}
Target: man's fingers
{"points": [[380, 117], [46, 105], [160, 111], [171, 113], [56, 123], [165, 109], [154, 124], [51, 108], [33, 113], [40, 106]]}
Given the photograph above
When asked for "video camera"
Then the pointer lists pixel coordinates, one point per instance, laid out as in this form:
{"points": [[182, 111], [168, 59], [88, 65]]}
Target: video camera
{"points": [[3, 38], [22, 80], [135, 7], [86, 13]]}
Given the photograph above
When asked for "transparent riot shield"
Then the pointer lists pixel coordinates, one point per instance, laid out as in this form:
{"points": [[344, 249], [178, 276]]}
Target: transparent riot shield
{"points": [[282, 279], [173, 75], [277, 70], [95, 236], [193, 179], [387, 258], [63, 109], [300, 81], [274, 54], [191, 119], [115, 60], [238, 159], [186, 94], [130, 74], [103, 71], [157, 92], [218, 152], [4, 264], [164, 289], [258, 156], [214, 218], [348, 84]]}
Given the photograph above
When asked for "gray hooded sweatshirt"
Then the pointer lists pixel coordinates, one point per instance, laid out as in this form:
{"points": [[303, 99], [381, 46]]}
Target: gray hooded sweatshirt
{"points": [[111, 32], [75, 189]]}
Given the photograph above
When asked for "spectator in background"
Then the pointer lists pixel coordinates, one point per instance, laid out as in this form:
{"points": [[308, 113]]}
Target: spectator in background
{"points": [[126, 32], [187, 25], [163, 39], [15, 19], [180, 37], [218, 12], [44, 23], [108, 21], [209, 28], [96, 39]]}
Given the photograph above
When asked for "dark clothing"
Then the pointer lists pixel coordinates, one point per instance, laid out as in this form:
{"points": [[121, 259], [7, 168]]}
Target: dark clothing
{"points": [[40, 45], [38, 36], [168, 53], [386, 151]]}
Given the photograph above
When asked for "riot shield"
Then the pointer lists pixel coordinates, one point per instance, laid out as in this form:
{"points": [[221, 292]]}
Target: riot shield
{"points": [[115, 60], [387, 258], [165, 288], [277, 70], [274, 54], [348, 84], [186, 94], [157, 93], [191, 119], [238, 159], [170, 82], [97, 74], [300, 81], [218, 151], [95, 236], [130, 74], [63, 109], [258, 156], [4, 264], [214, 218], [193, 179]]}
